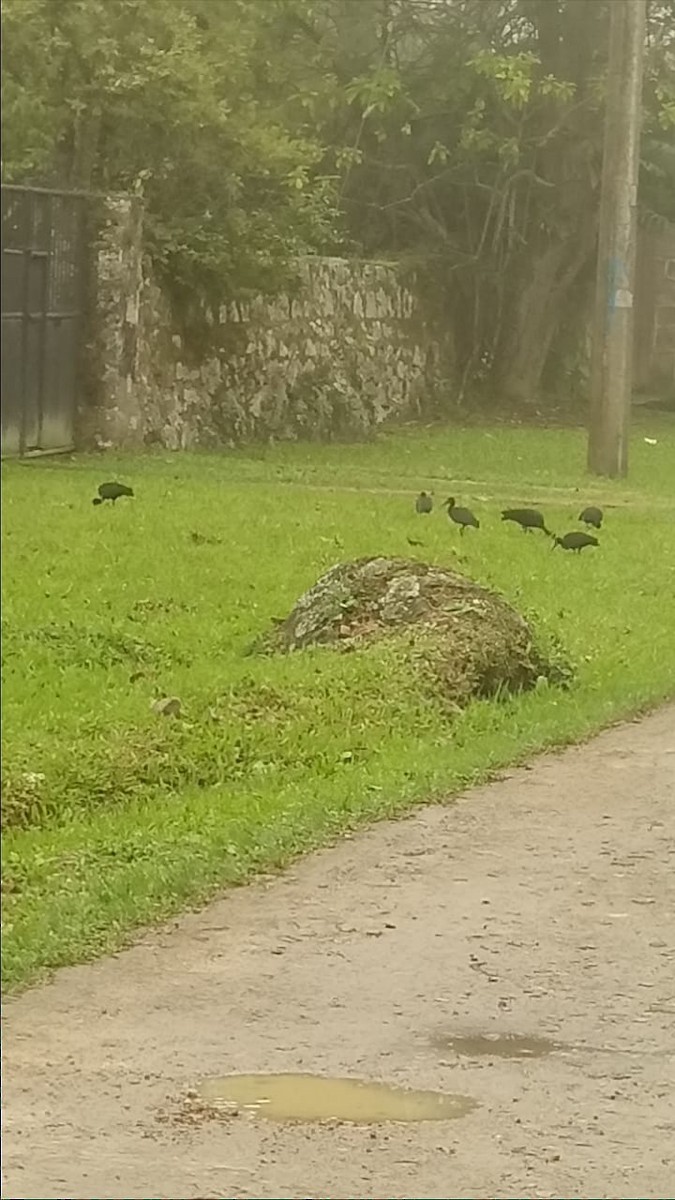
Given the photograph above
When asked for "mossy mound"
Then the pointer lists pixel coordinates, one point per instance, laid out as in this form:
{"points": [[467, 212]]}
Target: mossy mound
{"points": [[473, 641]]}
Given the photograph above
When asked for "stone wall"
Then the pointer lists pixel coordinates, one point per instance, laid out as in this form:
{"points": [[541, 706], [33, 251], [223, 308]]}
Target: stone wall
{"points": [[351, 347], [110, 410]]}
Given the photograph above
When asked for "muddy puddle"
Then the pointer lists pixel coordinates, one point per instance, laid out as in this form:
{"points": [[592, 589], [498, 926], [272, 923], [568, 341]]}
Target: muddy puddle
{"points": [[319, 1098], [505, 1045]]}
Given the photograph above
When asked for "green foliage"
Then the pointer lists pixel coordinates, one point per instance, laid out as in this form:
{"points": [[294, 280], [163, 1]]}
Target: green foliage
{"points": [[118, 815], [173, 99], [471, 141]]}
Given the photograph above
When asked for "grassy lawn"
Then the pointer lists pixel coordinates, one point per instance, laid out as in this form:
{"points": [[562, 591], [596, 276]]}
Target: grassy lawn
{"points": [[131, 815]]}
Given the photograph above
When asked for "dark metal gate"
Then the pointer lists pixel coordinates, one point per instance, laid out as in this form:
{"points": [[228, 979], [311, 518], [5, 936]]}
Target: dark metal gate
{"points": [[43, 282]]}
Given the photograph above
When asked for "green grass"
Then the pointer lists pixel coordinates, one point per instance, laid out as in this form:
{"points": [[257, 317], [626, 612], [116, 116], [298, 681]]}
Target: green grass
{"points": [[105, 608]]}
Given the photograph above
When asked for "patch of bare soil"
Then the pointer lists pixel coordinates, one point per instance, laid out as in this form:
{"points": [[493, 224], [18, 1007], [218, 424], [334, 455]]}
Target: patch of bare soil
{"points": [[516, 947]]}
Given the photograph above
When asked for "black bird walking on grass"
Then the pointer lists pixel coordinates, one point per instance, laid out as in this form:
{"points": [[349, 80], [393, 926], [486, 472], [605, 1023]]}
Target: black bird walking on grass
{"points": [[592, 516], [576, 541], [527, 518], [424, 503], [112, 491], [461, 516]]}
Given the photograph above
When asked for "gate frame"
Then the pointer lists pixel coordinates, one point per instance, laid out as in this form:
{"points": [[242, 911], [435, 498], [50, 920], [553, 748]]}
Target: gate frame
{"points": [[29, 253]]}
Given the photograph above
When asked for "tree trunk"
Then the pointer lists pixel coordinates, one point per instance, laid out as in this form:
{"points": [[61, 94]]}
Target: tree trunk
{"points": [[536, 309], [536, 295]]}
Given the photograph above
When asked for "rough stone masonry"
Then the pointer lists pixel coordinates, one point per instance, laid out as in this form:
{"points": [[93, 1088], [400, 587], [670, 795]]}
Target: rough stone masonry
{"points": [[353, 346]]}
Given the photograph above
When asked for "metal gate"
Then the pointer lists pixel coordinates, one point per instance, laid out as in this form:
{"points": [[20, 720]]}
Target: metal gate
{"points": [[43, 282]]}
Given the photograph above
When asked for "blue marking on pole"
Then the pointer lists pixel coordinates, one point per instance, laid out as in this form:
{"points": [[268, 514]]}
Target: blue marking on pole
{"points": [[615, 272]]}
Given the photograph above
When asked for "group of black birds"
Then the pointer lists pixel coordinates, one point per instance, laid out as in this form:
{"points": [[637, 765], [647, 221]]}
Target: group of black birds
{"points": [[527, 518]]}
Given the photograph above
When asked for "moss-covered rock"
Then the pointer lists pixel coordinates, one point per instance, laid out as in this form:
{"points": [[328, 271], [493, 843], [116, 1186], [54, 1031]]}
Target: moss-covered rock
{"points": [[472, 640]]}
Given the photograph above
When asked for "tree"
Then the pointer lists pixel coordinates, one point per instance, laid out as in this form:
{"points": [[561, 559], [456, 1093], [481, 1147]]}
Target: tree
{"points": [[174, 99], [470, 137], [474, 143]]}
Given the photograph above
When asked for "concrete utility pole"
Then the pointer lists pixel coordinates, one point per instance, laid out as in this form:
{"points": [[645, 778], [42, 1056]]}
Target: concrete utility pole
{"points": [[612, 353]]}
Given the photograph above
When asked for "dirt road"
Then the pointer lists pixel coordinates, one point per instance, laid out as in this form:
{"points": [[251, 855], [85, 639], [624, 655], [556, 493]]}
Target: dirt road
{"points": [[541, 906]]}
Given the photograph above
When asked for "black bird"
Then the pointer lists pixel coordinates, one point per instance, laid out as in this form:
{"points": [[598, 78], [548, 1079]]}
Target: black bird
{"points": [[527, 518], [424, 503], [112, 491], [576, 540], [461, 516], [592, 516]]}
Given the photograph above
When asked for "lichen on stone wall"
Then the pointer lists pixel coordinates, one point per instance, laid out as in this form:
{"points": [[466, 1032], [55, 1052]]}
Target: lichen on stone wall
{"points": [[350, 348]]}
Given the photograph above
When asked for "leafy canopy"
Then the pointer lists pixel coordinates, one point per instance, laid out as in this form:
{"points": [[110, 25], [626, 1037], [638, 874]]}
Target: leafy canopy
{"points": [[177, 100]]}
